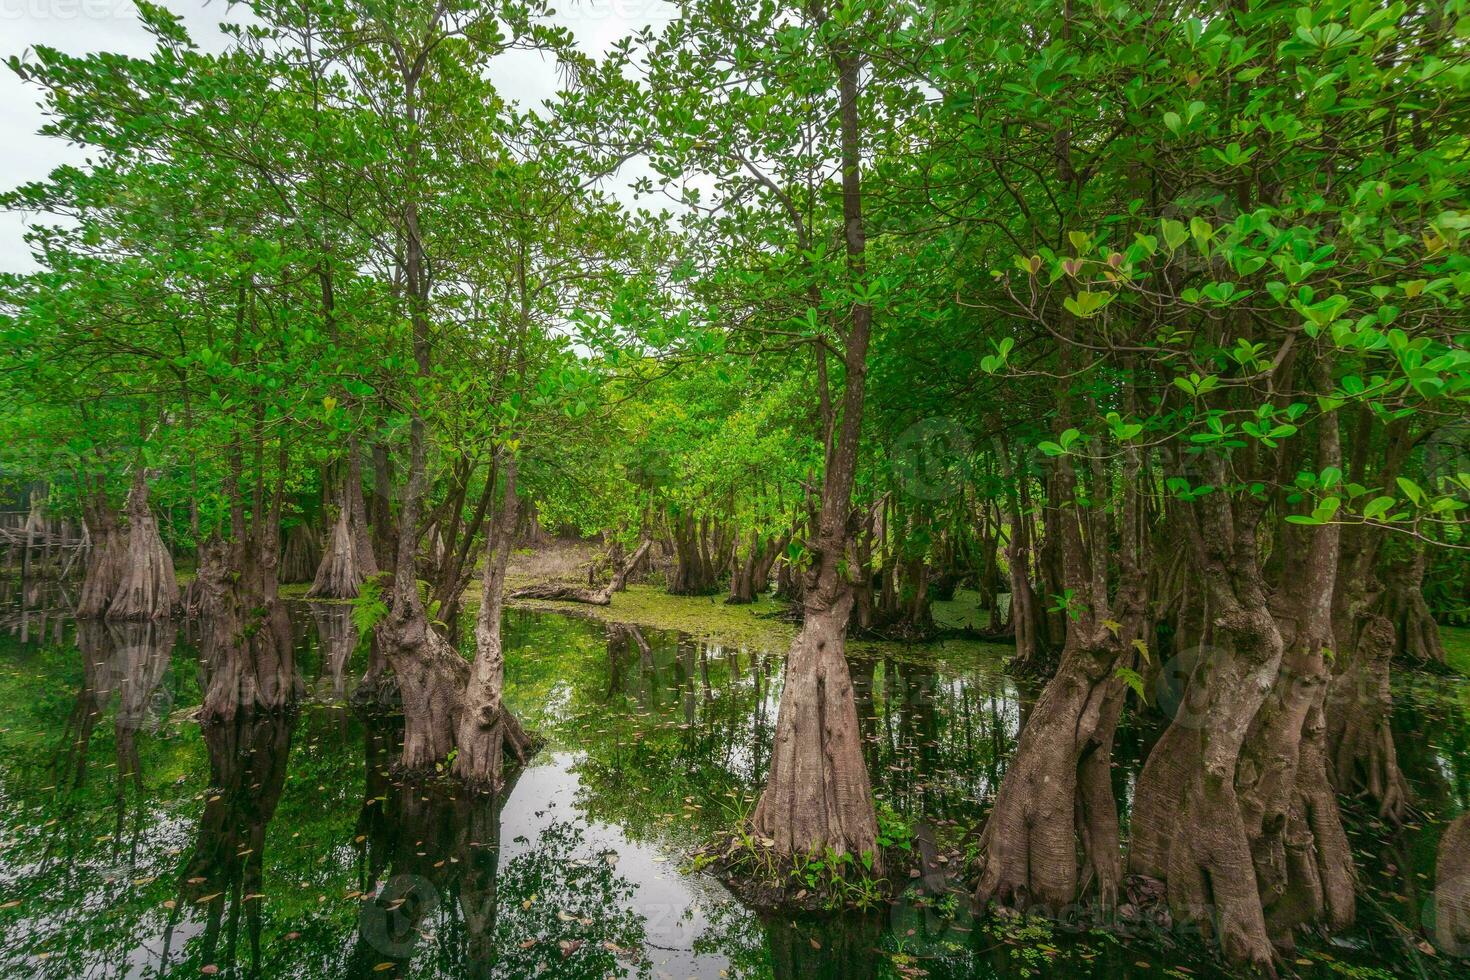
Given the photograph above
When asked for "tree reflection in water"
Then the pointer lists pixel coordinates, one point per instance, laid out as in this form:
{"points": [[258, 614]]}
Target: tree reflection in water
{"points": [[221, 879], [438, 888]]}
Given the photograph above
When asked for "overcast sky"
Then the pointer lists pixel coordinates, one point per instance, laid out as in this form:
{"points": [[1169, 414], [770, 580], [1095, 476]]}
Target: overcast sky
{"points": [[79, 26]]}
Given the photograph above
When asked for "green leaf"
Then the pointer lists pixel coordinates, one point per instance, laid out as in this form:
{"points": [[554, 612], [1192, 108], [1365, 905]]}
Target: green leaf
{"points": [[1134, 680]]}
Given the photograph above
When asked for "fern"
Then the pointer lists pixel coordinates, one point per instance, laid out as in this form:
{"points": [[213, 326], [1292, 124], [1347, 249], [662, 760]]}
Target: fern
{"points": [[1133, 679], [369, 608]]}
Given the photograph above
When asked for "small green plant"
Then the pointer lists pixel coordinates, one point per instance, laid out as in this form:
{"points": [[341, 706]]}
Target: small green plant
{"points": [[893, 829], [369, 608], [1068, 603]]}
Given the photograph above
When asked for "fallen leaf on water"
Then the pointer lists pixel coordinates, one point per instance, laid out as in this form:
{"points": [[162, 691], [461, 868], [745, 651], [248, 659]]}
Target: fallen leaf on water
{"points": [[208, 898], [382, 966]]}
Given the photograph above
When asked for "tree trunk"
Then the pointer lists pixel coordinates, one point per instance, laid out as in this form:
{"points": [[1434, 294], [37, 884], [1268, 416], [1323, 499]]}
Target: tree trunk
{"points": [[348, 556], [1304, 865], [301, 554], [1056, 800], [487, 729], [697, 569], [383, 532], [1359, 708], [147, 587], [1187, 827], [246, 632], [1452, 890], [789, 582], [749, 578], [431, 679], [1233, 810], [1418, 634], [818, 794], [1046, 810], [1366, 618], [1034, 655], [104, 560], [245, 641]]}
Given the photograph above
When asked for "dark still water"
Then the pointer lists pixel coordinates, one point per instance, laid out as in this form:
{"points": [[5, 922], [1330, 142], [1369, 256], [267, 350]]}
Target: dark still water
{"points": [[135, 844]]}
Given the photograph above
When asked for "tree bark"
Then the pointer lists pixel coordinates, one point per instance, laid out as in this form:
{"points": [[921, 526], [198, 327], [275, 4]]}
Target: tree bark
{"points": [[1418, 636], [347, 559], [751, 576], [1452, 890], [1056, 800], [487, 729], [697, 546], [1304, 865], [246, 640], [1234, 810], [1187, 826], [249, 658], [1359, 708], [818, 794], [104, 560], [147, 587], [301, 554]]}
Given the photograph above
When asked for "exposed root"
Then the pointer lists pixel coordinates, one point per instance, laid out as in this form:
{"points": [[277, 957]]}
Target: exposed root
{"points": [[1364, 761]]}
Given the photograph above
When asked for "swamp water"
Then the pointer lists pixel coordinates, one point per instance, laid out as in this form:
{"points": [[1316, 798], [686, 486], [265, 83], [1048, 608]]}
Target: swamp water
{"points": [[135, 844]]}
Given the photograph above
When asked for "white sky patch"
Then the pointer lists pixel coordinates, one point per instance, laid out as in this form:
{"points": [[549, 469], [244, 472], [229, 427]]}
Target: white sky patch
{"points": [[81, 26]]}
